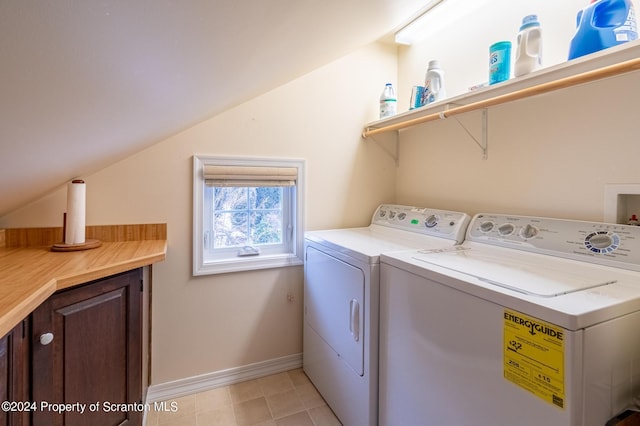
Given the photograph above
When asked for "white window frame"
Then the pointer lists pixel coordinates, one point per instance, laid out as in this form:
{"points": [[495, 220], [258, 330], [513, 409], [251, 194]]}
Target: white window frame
{"points": [[265, 260]]}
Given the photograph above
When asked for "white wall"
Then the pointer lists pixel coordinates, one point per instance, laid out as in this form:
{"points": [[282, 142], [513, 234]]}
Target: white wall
{"points": [[463, 47], [212, 323], [548, 155]]}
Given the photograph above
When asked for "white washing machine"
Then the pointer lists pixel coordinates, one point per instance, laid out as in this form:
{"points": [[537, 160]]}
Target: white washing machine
{"points": [[341, 294], [531, 321]]}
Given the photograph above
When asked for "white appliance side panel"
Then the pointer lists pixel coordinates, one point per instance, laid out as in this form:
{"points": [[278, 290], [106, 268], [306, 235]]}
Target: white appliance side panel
{"points": [[353, 398], [612, 368], [441, 361], [335, 305]]}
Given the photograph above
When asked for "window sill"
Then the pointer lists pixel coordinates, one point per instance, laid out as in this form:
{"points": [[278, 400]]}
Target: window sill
{"points": [[247, 264]]}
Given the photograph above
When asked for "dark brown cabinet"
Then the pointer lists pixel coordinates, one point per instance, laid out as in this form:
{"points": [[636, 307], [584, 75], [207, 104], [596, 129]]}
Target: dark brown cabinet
{"points": [[78, 358], [87, 353], [14, 374]]}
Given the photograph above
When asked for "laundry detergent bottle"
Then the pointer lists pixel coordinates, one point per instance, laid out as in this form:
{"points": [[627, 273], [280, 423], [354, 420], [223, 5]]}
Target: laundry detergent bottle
{"points": [[528, 47], [603, 24], [388, 101], [434, 90]]}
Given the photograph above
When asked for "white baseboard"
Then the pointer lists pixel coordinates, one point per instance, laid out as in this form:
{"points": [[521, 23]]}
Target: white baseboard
{"points": [[216, 379]]}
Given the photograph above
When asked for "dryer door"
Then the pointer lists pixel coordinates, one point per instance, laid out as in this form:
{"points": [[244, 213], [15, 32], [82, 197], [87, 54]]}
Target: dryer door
{"points": [[334, 305]]}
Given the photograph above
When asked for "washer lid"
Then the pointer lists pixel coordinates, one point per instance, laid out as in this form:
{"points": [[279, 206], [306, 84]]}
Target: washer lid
{"points": [[528, 273]]}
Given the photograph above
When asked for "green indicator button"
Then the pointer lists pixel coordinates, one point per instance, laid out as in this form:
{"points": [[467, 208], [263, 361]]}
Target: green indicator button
{"points": [[415, 221]]}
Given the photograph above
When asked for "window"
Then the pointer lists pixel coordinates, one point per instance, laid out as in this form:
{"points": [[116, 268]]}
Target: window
{"points": [[247, 214]]}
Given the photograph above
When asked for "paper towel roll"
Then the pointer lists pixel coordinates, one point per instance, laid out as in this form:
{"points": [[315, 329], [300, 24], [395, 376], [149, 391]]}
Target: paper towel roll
{"points": [[76, 211]]}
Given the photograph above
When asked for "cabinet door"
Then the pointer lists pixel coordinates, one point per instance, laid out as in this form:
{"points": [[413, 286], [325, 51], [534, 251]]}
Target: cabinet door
{"points": [[14, 375], [94, 356]]}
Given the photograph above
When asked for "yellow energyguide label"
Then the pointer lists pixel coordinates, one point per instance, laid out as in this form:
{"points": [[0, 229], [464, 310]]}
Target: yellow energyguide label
{"points": [[534, 356]]}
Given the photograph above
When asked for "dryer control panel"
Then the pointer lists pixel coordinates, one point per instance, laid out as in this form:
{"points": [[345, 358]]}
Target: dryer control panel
{"points": [[439, 223], [595, 242]]}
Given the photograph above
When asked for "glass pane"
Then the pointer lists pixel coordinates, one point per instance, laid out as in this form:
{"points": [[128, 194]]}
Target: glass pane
{"points": [[230, 229], [265, 198], [266, 227], [230, 198], [247, 216]]}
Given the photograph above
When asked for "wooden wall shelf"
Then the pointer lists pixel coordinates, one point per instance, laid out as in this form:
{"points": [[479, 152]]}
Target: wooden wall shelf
{"points": [[614, 61]]}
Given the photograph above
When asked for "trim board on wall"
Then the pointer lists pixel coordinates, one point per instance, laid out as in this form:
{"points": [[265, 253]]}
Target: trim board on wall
{"points": [[216, 379]]}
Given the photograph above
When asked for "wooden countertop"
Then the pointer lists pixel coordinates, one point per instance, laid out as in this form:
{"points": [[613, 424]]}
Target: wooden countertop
{"points": [[29, 275]]}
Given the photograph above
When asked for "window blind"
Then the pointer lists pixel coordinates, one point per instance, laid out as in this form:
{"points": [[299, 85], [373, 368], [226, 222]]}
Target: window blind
{"points": [[250, 176]]}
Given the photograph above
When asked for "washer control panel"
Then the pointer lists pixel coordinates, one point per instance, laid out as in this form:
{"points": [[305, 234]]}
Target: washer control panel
{"points": [[596, 242], [438, 223]]}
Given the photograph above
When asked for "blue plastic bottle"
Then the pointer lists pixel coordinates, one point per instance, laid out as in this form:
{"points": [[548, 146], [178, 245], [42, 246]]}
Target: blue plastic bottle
{"points": [[499, 62], [603, 24]]}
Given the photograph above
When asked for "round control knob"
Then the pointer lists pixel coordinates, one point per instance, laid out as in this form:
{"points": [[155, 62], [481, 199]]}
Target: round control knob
{"points": [[528, 231], [46, 338], [431, 221], [487, 226], [392, 214], [601, 241], [506, 229], [383, 213], [402, 216]]}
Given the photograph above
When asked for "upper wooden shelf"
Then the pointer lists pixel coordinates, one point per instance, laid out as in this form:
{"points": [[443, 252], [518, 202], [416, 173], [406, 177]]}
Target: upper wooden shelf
{"points": [[606, 63]]}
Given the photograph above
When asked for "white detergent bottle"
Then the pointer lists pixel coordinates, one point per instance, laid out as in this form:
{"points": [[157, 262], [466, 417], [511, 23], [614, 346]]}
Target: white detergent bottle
{"points": [[529, 46], [434, 84], [388, 101]]}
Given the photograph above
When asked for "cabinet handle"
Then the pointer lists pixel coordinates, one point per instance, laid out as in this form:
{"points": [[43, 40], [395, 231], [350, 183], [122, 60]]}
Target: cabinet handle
{"points": [[46, 338]]}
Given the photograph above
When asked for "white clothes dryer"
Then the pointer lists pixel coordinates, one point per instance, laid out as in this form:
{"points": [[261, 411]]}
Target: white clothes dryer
{"points": [[531, 321], [341, 296]]}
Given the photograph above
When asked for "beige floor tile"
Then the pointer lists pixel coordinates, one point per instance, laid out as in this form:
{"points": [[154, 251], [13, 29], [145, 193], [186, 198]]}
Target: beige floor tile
{"points": [[284, 404], [152, 418], [309, 396], [283, 399], [324, 416], [185, 403], [184, 420], [221, 416], [214, 398], [298, 419], [177, 410], [267, 423], [298, 378], [252, 412], [245, 391], [276, 383]]}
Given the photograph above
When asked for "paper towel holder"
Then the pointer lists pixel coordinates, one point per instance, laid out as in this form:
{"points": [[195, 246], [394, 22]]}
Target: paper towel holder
{"points": [[88, 244], [74, 240]]}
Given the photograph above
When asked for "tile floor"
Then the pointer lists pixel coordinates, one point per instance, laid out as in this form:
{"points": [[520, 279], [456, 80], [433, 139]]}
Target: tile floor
{"points": [[284, 399]]}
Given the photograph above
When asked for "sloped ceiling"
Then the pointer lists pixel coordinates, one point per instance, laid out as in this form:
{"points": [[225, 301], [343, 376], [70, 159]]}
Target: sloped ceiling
{"points": [[85, 83]]}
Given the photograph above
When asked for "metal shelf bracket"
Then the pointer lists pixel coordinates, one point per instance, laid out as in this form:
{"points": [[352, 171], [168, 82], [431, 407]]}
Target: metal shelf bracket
{"points": [[394, 151], [483, 144]]}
